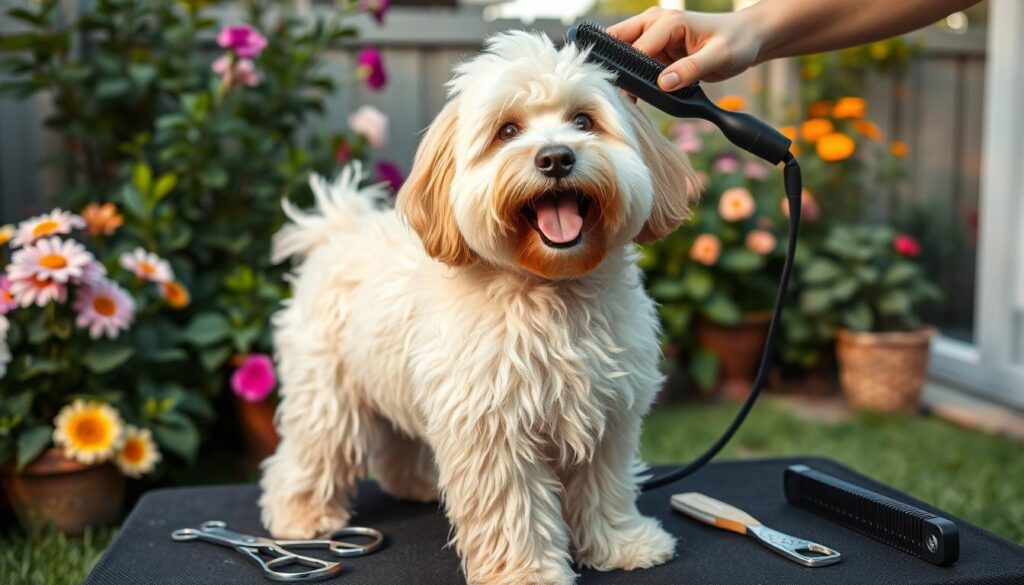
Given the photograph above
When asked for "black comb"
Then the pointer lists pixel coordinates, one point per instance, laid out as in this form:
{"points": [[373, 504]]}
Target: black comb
{"points": [[899, 525], [637, 73]]}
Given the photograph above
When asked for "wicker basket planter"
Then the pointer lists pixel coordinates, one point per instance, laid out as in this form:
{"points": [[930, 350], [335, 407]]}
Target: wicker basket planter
{"points": [[883, 371]]}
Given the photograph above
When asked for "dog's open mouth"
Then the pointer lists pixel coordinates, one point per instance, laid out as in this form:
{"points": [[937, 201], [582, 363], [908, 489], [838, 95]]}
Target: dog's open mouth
{"points": [[558, 216]]}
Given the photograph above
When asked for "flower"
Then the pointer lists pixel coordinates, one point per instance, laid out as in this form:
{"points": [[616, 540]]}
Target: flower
{"points": [[733, 103], [835, 147], [102, 218], [50, 259], [370, 67], [254, 379], [38, 291], [245, 41], [139, 454], [146, 265], [788, 132], [849, 107], [90, 432], [755, 170], [760, 241], [175, 294], [388, 172], [815, 128], [736, 204], [867, 129], [819, 109], [7, 301], [726, 164], [375, 7], [906, 245], [899, 149], [687, 137], [370, 123], [237, 73], [104, 308], [809, 210], [5, 350], [343, 152], [56, 222], [705, 249], [6, 233]]}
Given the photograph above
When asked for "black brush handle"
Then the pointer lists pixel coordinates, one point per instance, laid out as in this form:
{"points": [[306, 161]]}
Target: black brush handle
{"points": [[900, 525]]}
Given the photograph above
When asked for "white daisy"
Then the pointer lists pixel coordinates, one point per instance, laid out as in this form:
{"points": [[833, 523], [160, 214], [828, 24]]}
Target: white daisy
{"points": [[50, 259], [5, 350], [104, 308], [139, 454], [32, 290], [147, 266], [56, 222]]}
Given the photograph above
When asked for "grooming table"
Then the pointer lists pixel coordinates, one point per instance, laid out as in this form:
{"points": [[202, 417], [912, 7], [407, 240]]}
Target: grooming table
{"points": [[414, 552]]}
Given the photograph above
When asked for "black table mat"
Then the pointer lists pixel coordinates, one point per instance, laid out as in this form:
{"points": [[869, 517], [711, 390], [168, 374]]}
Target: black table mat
{"points": [[415, 552]]}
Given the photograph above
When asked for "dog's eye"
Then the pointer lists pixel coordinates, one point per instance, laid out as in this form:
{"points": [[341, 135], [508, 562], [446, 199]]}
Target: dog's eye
{"points": [[583, 122], [508, 131]]}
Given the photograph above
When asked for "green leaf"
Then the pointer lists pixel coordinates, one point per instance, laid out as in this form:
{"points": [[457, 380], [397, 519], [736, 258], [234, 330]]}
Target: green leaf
{"points": [[821, 270], [741, 260], [721, 309], [132, 200], [667, 289], [164, 184], [112, 88], [858, 318], [142, 177], [212, 358], [176, 433], [815, 300], [207, 329], [704, 368], [31, 443], [698, 283], [899, 273], [676, 318], [844, 289], [104, 357], [38, 366], [895, 303]]}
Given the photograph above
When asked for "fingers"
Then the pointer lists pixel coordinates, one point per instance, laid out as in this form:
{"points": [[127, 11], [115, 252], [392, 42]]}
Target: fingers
{"points": [[630, 29], [657, 39], [688, 70]]}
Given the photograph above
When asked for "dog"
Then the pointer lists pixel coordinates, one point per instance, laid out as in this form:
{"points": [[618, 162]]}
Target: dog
{"points": [[489, 342]]}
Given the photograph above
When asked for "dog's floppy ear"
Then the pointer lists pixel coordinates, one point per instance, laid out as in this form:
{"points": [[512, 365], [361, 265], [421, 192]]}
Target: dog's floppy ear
{"points": [[424, 198], [675, 184]]}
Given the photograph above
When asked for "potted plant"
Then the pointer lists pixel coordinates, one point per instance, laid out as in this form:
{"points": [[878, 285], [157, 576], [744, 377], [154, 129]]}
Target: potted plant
{"points": [[865, 282]]}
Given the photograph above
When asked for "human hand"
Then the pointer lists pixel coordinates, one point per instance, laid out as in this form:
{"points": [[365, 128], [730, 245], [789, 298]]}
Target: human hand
{"points": [[694, 45]]}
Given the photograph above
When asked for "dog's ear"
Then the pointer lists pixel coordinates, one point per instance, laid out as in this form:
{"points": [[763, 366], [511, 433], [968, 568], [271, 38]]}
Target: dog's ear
{"points": [[675, 184], [424, 198]]}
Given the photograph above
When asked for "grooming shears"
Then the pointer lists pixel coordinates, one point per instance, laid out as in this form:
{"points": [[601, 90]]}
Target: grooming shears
{"points": [[256, 547]]}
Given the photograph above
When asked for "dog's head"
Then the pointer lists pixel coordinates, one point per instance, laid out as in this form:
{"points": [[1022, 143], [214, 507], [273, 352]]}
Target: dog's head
{"points": [[537, 163]]}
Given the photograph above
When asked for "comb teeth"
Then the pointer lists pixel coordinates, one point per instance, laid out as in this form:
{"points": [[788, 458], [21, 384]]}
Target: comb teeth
{"points": [[606, 48]]}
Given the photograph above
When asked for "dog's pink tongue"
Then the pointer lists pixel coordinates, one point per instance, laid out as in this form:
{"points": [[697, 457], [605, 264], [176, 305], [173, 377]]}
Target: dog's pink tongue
{"points": [[559, 218]]}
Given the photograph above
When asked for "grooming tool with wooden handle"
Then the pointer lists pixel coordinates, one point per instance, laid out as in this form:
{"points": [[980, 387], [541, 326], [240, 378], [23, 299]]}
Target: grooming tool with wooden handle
{"points": [[721, 515]]}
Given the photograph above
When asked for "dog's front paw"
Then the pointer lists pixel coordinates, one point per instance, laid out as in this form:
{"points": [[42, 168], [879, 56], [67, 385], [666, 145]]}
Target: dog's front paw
{"points": [[299, 520], [641, 546], [561, 575]]}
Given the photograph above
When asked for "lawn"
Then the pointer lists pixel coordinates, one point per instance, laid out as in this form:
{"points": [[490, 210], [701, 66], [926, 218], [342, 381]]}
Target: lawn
{"points": [[970, 474]]}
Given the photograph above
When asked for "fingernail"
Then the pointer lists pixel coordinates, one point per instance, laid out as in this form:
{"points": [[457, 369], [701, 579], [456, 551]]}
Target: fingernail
{"points": [[670, 81]]}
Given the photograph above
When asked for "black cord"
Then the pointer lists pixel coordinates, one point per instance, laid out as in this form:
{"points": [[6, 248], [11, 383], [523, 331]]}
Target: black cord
{"points": [[793, 183]]}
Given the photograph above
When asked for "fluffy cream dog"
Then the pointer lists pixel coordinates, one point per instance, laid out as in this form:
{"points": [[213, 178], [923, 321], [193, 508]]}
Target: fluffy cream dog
{"points": [[496, 347]]}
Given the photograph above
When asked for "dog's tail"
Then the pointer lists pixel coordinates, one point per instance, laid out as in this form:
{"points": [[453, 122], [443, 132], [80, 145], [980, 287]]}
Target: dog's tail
{"points": [[341, 206]]}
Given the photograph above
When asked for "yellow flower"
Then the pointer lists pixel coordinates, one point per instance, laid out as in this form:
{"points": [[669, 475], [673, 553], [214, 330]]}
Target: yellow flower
{"points": [[819, 109], [869, 130], [102, 218], [899, 149], [706, 249], [815, 128], [6, 233], [89, 432], [849, 107], [733, 103], [175, 294], [835, 147], [736, 204], [139, 455]]}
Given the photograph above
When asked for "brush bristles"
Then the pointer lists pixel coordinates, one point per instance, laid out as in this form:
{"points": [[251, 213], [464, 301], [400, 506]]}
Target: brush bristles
{"points": [[605, 48]]}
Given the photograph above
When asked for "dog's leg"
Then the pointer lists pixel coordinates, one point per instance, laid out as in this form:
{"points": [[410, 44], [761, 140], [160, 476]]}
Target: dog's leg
{"points": [[503, 500], [403, 466], [600, 505]]}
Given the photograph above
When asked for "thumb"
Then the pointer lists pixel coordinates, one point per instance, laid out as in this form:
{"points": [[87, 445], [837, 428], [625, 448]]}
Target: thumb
{"points": [[687, 70]]}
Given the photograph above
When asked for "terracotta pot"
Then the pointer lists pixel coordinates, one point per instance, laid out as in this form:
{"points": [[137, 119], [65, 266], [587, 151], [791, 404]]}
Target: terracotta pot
{"points": [[70, 495], [738, 348], [257, 420], [883, 371]]}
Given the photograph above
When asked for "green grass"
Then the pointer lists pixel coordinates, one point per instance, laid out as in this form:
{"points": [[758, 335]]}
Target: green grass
{"points": [[971, 474]]}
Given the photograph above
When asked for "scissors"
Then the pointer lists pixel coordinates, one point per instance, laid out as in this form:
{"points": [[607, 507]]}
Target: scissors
{"points": [[255, 547]]}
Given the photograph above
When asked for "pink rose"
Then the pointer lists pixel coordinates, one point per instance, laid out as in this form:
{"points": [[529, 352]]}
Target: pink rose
{"points": [[370, 123], [243, 73], [726, 164], [255, 378], [370, 67], [245, 41], [906, 245]]}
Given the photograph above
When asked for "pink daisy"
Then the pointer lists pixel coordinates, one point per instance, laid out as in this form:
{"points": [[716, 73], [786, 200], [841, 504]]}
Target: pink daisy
{"points": [[50, 259], [37, 291], [104, 308], [7, 301], [56, 222], [147, 266]]}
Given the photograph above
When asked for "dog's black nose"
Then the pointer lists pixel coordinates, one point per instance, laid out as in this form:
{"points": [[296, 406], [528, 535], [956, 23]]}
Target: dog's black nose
{"points": [[555, 161]]}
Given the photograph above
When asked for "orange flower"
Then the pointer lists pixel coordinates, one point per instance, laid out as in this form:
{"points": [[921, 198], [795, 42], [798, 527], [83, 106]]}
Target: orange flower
{"points": [[835, 147], [849, 107], [102, 218], [869, 130], [760, 242], [899, 149], [175, 294], [736, 204], [819, 109], [733, 103], [815, 128], [706, 249], [790, 132]]}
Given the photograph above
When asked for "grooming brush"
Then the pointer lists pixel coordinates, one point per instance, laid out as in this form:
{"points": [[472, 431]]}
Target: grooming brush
{"points": [[638, 74], [899, 525]]}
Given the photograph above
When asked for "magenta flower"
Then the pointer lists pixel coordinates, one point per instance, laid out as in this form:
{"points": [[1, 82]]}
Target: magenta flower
{"points": [[388, 172], [245, 41], [7, 302], [906, 245], [255, 378], [370, 67], [726, 164], [237, 72], [375, 7]]}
